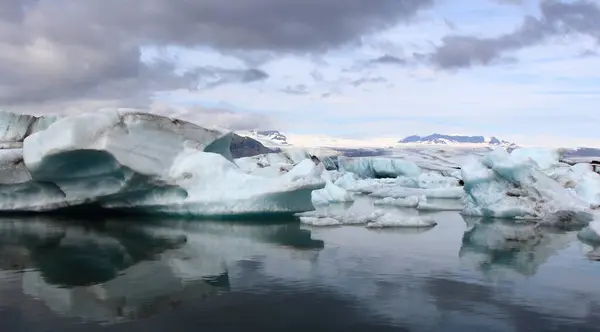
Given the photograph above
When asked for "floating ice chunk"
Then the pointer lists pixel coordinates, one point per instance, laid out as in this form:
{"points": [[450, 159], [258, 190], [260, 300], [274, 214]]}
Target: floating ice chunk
{"points": [[591, 233], [331, 194], [359, 212], [500, 186], [581, 179], [408, 202], [420, 203], [394, 220], [378, 167], [439, 206], [400, 192], [316, 221]]}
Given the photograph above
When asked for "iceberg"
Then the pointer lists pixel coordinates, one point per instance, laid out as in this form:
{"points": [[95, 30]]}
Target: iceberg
{"points": [[403, 192], [392, 220], [504, 186], [14, 128], [316, 221], [408, 202], [140, 162], [363, 211], [378, 167], [277, 164], [545, 159], [582, 180]]}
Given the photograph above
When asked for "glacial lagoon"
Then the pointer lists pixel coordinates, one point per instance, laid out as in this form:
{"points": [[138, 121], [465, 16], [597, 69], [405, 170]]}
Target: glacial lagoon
{"points": [[124, 274]]}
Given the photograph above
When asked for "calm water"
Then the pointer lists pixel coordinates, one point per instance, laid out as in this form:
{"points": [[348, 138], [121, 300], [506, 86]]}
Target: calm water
{"points": [[173, 275]]}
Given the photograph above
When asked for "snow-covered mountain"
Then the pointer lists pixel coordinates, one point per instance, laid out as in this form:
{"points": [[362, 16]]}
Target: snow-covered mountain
{"points": [[268, 138], [273, 135], [455, 139]]}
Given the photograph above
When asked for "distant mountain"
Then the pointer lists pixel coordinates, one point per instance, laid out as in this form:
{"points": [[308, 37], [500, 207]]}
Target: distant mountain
{"points": [[583, 152], [268, 138], [455, 139], [273, 135]]}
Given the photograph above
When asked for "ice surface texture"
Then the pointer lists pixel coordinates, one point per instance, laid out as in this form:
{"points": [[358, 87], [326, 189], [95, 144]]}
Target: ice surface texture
{"points": [[139, 161], [518, 185]]}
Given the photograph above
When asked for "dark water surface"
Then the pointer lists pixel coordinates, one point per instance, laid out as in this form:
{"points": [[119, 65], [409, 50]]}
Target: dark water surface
{"points": [[174, 275]]}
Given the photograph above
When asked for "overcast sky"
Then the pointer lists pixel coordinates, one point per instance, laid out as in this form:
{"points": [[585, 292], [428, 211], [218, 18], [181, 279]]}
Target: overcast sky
{"points": [[527, 71]]}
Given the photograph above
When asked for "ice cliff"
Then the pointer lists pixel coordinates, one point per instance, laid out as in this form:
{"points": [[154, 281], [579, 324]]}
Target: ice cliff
{"points": [[137, 161]]}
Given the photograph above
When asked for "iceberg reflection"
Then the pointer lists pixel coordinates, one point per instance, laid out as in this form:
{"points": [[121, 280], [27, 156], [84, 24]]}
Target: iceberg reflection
{"points": [[114, 270], [498, 246]]}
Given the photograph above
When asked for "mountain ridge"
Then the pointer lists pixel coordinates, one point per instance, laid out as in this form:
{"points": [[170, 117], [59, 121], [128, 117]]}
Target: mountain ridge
{"points": [[444, 139]]}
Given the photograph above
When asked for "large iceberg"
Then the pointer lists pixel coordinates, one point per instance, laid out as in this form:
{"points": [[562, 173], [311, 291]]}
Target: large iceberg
{"points": [[582, 180], [142, 162], [14, 128], [503, 185]]}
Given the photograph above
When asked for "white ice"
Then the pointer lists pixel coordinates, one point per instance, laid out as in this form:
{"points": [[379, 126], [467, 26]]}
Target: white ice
{"points": [[277, 164], [15, 127], [363, 211], [582, 180], [408, 202], [500, 185], [545, 159], [120, 159], [394, 220]]}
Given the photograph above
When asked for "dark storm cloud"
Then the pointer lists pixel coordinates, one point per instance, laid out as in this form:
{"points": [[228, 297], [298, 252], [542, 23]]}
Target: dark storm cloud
{"points": [[557, 18], [250, 24], [388, 60], [57, 50]]}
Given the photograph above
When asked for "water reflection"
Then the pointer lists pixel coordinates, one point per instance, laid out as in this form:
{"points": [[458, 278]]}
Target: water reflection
{"points": [[115, 270], [232, 276], [497, 246]]}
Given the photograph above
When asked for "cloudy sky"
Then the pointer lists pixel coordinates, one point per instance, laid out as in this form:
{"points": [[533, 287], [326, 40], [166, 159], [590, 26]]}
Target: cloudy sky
{"points": [[527, 70]]}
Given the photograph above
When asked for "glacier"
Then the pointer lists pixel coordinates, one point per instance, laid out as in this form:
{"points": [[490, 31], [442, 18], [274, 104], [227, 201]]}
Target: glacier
{"points": [[138, 162]]}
